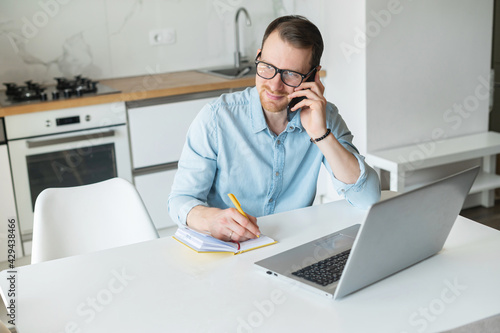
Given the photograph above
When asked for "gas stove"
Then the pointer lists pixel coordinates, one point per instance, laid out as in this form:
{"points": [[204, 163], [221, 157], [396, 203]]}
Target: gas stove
{"points": [[33, 92]]}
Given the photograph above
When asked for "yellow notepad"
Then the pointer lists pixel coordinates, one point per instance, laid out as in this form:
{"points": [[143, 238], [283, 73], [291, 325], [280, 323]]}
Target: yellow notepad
{"points": [[204, 243]]}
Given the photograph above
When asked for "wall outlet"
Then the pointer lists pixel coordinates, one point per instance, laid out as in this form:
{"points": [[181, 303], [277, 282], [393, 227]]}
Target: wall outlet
{"points": [[162, 36]]}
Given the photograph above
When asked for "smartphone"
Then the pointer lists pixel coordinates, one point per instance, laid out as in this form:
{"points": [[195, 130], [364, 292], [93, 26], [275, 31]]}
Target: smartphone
{"points": [[294, 101]]}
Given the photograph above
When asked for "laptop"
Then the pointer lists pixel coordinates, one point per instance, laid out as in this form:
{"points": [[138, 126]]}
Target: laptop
{"points": [[397, 232]]}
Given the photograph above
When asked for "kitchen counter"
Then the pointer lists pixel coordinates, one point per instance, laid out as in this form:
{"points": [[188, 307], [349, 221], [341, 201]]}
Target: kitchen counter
{"points": [[140, 87]]}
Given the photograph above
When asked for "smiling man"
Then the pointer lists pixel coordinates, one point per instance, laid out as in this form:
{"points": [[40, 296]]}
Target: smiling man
{"points": [[246, 143]]}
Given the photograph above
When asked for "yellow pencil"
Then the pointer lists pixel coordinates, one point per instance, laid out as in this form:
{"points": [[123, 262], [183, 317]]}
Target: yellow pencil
{"points": [[236, 204]]}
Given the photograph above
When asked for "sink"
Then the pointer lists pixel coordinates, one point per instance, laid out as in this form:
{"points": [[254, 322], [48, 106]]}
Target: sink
{"points": [[231, 72]]}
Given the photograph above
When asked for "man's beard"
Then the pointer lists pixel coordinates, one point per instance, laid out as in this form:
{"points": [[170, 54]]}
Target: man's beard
{"points": [[272, 105]]}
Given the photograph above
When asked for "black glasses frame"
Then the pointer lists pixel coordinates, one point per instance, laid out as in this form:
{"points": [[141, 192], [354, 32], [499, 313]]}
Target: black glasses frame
{"points": [[280, 71]]}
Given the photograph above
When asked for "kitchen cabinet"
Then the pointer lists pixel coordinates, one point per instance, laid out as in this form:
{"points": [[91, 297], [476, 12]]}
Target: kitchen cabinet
{"points": [[158, 129], [154, 189], [9, 227]]}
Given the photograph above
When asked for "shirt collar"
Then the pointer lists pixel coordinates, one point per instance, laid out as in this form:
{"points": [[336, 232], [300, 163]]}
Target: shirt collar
{"points": [[258, 119]]}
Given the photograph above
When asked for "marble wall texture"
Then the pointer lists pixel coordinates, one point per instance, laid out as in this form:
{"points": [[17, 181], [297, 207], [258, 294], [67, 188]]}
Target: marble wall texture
{"points": [[43, 39]]}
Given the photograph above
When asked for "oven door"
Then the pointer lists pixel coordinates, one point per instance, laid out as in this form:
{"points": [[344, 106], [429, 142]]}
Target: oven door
{"points": [[62, 160]]}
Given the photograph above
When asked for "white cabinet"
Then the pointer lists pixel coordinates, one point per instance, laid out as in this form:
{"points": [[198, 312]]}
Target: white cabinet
{"points": [[158, 129], [154, 189], [9, 228]]}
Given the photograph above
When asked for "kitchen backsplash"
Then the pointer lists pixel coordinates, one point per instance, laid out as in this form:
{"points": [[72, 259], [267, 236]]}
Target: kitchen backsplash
{"points": [[43, 39]]}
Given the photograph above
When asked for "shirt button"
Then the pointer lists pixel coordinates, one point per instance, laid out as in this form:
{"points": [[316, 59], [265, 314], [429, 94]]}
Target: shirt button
{"points": [[277, 173], [291, 128], [278, 142], [271, 200]]}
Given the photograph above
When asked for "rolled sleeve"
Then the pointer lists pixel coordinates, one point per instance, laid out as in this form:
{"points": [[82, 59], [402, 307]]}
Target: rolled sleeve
{"points": [[179, 207], [365, 191]]}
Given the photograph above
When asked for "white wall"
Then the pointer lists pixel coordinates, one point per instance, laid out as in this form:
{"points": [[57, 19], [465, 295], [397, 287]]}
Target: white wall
{"points": [[345, 63], [42, 39], [405, 71], [340, 23], [427, 70]]}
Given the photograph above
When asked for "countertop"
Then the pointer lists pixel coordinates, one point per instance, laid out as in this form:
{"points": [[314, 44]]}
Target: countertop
{"points": [[142, 87], [138, 88]]}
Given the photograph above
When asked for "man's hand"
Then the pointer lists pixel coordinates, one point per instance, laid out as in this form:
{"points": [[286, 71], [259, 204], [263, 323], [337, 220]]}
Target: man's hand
{"points": [[224, 224], [344, 165], [313, 114]]}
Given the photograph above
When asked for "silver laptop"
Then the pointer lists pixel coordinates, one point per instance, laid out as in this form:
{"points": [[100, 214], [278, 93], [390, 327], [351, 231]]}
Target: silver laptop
{"points": [[397, 233]]}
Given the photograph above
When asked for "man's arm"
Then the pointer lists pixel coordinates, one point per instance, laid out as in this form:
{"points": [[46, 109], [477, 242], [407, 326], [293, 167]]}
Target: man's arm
{"points": [[197, 166], [357, 181], [343, 163], [347, 167]]}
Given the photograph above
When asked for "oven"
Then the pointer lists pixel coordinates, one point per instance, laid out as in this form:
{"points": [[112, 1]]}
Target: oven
{"points": [[66, 147]]}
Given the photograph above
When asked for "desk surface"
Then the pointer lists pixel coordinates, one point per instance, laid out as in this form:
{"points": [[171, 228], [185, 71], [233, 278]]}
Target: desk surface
{"points": [[162, 286]]}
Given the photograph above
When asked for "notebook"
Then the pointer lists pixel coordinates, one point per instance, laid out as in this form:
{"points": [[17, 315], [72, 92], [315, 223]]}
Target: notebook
{"points": [[397, 232], [205, 243]]}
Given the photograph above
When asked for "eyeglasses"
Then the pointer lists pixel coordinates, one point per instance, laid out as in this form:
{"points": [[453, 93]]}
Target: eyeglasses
{"points": [[288, 77]]}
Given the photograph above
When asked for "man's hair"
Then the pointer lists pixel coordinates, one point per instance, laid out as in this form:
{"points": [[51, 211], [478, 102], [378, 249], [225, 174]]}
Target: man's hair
{"points": [[300, 32]]}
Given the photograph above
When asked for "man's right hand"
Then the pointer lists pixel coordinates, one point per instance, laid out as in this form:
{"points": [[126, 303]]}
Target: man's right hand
{"points": [[224, 224]]}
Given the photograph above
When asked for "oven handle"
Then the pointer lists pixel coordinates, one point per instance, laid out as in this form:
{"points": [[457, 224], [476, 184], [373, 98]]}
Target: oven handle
{"points": [[82, 137]]}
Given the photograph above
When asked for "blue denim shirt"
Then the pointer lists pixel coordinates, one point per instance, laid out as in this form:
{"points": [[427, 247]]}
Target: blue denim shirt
{"points": [[230, 149]]}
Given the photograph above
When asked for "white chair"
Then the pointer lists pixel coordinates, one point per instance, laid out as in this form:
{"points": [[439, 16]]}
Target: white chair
{"points": [[3, 328], [76, 220]]}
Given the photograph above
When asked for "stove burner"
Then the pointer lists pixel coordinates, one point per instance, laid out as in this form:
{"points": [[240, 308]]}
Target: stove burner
{"points": [[31, 91], [79, 86], [65, 88]]}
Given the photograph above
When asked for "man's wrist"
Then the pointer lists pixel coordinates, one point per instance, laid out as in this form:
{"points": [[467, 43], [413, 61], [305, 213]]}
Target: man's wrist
{"points": [[314, 140]]}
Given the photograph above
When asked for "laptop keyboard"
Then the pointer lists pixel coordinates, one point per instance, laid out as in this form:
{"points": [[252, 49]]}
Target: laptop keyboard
{"points": [[325, 271]]}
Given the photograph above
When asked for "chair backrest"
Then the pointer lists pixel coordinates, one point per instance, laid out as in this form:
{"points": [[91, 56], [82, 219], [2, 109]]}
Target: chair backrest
{"points": [[76, 220], [3, 328]]}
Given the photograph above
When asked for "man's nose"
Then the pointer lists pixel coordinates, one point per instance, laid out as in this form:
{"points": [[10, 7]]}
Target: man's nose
{"points": [[275, 83]]}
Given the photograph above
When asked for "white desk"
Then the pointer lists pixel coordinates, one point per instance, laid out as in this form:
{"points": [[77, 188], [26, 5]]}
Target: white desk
{"points": [[165, 287]]}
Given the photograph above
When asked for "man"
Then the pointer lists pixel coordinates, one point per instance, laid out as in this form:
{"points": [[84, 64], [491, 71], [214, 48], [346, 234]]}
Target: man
{"points": [[244, 143]]}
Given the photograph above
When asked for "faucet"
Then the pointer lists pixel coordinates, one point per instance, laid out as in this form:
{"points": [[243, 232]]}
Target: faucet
{"points": [[237, 55]]}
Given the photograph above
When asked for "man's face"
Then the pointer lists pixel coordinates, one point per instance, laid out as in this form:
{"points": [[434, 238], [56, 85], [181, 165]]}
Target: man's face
{"points": [[273, 93]]}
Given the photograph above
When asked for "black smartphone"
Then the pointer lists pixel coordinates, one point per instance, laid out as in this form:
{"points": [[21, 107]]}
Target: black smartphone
{"points": [[294, 101]]}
